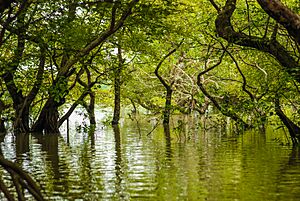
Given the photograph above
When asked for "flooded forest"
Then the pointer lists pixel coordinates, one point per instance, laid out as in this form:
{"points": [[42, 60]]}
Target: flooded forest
{"points": [[150, 100]]}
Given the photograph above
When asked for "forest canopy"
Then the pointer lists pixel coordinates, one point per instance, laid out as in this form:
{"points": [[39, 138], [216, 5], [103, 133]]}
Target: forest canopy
{"points": [[239, 59]]}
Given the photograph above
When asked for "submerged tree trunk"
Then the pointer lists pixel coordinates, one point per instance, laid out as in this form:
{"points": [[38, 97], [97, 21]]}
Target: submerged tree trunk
{"points": [[21, 103], [293, 129], [90, 108], [168, 141]]}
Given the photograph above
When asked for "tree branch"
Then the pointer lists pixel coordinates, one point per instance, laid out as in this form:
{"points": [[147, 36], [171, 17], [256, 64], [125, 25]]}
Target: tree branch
{"points": [[166, 85], [225, 30], [100, 39], [283, 15], [243, 76]]}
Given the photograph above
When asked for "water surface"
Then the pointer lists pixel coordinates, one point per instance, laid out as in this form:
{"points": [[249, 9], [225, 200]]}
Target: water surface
{"points": [[127, 164]]}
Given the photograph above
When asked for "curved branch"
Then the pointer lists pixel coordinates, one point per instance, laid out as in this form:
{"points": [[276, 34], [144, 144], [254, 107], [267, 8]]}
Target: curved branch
{"points": [[72, 108], [221, 109], [243, 76], [212, 67], [214, 101], [114, 27], [161, 62], [283, 15], [225, 29]]}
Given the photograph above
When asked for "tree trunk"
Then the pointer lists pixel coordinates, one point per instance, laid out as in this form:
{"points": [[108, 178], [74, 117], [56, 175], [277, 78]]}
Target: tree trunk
{"points": [[91, 109], [48, 119], [168, 106], [168, 141], [168, 87], [21, 121], [117, 88], [117, 101]]}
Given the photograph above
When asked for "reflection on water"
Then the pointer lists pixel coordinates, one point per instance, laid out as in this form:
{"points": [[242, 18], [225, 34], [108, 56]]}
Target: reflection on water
{"points": [[120, 164]]}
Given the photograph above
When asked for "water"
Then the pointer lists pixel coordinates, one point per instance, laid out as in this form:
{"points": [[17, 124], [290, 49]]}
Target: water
{"points": [[126, 164]]}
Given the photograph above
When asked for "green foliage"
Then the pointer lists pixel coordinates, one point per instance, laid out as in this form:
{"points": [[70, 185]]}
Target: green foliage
{"points": [[66, 28]]}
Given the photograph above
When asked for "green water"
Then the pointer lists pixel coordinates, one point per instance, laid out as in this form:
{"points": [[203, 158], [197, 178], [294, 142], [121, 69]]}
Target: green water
{"points": [[126, 164]]}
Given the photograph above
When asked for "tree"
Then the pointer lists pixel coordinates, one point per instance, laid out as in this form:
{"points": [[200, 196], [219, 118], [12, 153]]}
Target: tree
{"points": [[49, 115], [30, 34], [272, 43]]}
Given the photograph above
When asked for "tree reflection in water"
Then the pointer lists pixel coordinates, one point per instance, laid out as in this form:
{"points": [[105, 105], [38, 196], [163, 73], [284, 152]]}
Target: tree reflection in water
{"points": [[118, 162], [14, 188], [168, 141]]}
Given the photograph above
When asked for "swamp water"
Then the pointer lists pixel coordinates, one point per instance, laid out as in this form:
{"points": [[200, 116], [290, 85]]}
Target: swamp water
{"points": [[128, 164]]}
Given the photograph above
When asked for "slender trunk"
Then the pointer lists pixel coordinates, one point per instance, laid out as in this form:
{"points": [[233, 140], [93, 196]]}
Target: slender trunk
{"points": [[167, 132], [168, 106], [117, 88], [118, 157], [117, 101], [91, 109]]}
